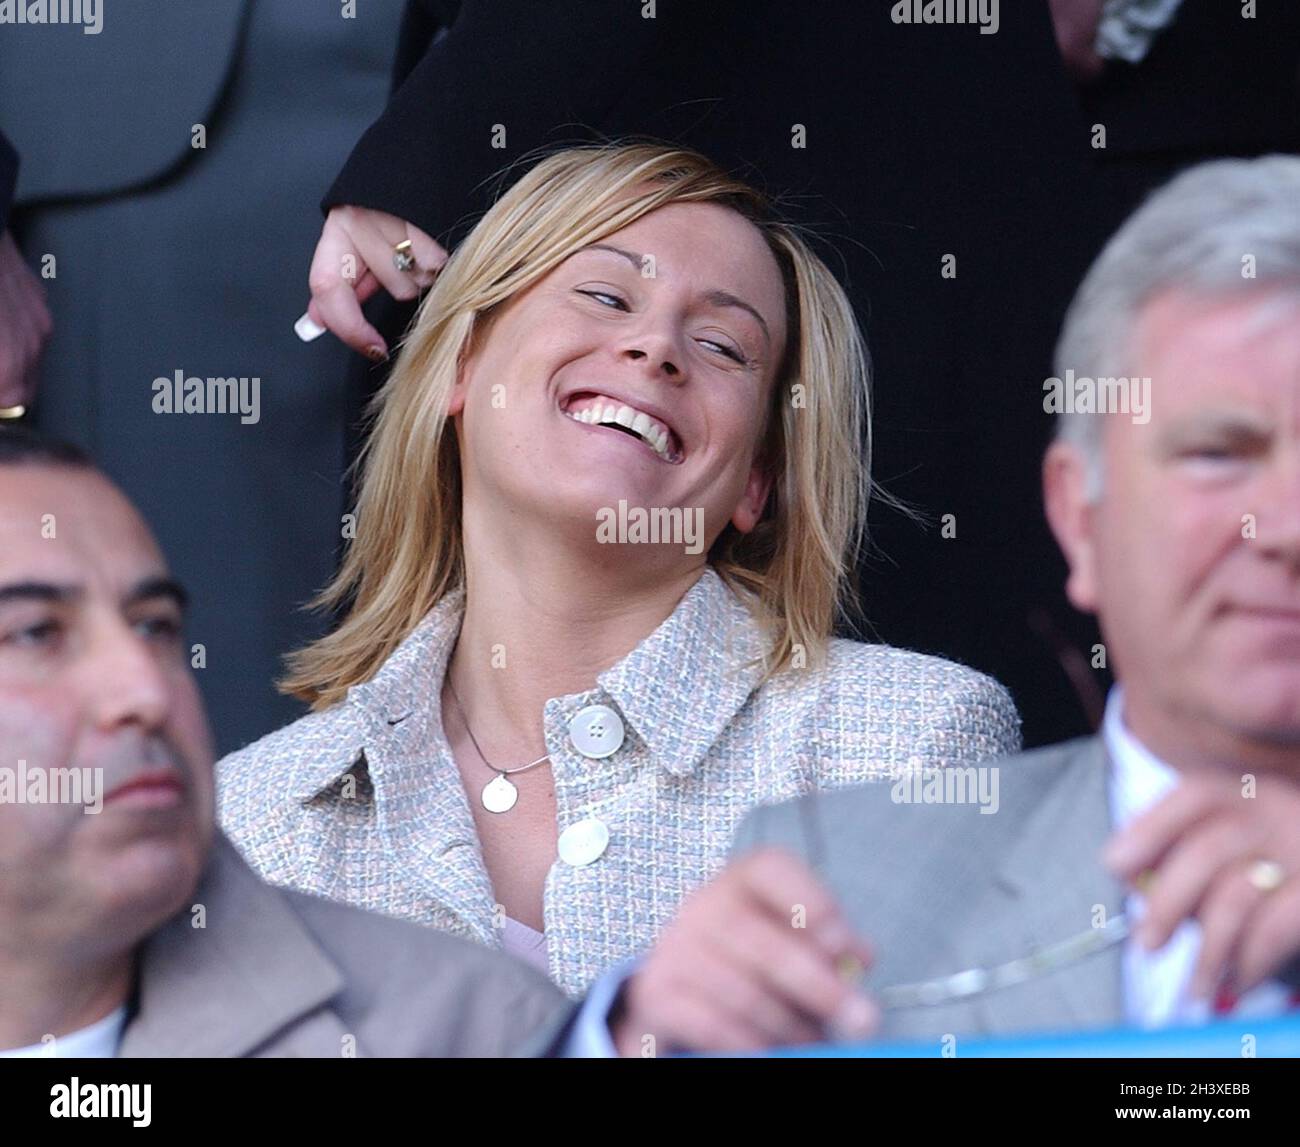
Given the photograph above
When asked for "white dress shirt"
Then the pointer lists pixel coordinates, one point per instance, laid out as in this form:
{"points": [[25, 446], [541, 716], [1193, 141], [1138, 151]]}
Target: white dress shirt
{"points": [[1157, 984], [99, 1040]]}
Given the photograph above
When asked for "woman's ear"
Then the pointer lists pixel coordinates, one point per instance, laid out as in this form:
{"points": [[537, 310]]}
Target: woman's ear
{"points": [[459, 388], [478, 332], [1070, 513], [464, 369], [753, 499]]}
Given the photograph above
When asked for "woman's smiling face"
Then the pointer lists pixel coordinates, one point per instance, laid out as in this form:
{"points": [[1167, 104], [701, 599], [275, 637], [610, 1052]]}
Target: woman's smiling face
{"points": [[639, 369]]}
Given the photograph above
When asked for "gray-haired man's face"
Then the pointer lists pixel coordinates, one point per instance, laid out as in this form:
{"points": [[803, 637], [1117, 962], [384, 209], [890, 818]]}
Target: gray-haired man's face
{"points": [[105, 759], [1191, 557]]}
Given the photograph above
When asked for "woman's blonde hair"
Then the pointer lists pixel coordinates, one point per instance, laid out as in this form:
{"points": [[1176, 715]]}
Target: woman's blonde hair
{"points": [[795, 569]]}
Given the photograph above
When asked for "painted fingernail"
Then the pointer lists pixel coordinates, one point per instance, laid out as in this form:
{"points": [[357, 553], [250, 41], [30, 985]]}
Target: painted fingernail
{"points": [[376, 353], [308, 329]]}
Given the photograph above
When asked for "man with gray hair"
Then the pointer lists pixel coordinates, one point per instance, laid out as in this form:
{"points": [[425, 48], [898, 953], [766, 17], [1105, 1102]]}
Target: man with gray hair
{"points": [[1152, 870]]}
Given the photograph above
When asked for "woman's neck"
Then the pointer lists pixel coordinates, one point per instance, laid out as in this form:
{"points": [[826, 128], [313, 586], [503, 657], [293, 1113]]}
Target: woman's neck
{"points": [[538, 626]]}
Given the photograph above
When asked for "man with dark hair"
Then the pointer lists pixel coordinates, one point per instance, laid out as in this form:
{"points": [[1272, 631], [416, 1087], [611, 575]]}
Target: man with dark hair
{"points": [[129, 925]]}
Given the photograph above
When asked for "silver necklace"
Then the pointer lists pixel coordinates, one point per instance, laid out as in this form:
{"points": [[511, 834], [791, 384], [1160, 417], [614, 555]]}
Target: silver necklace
{"points": [[499, 794]]}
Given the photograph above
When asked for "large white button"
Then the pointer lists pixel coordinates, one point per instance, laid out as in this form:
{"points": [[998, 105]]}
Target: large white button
{"points": [[583, 842], [596, 731]]}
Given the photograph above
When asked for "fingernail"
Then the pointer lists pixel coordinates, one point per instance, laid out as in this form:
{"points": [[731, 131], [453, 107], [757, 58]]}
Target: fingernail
{"points": [[307, 329], [857, 1017], [376, 353]]}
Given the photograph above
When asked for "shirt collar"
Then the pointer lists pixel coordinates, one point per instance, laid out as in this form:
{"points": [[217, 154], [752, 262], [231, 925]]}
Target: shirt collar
{"points": [[676, 690], [1138, 778]]}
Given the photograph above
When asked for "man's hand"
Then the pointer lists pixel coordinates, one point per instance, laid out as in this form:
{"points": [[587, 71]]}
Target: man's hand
{"points": [[24, 326], [1200, 846], [353, 260], [733, 972]]}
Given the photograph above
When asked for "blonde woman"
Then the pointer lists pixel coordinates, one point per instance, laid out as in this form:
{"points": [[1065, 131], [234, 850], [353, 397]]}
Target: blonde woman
{"points": [[533, 726]]}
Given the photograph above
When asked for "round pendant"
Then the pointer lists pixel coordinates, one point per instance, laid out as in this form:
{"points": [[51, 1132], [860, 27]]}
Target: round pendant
{"points": [[499, 795]]}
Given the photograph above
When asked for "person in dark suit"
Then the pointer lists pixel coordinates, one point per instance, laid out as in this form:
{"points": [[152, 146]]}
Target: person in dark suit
{"points": [[944, 172], [170, 168], [1164, 86]]}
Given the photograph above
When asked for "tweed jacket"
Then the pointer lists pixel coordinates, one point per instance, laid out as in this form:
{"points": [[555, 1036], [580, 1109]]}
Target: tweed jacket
{"points": [[362, 802]]}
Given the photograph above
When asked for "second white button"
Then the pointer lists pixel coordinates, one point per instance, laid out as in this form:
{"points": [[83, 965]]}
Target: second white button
{"points": [[583, 842]]}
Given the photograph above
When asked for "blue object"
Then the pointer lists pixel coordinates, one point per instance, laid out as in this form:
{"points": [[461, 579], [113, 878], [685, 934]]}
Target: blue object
{"points": [[1224, 1039]]}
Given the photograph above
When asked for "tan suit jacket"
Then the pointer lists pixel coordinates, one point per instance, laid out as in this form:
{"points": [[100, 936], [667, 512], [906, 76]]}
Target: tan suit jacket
{"points": [[279, 973]]}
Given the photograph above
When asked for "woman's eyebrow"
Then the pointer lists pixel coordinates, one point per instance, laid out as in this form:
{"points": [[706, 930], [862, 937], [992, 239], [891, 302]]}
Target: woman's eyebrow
{"points": [[717, 297]]}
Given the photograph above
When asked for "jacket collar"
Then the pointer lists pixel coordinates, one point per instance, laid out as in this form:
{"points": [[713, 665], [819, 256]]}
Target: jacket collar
{"points": [[226, 988], [708, 653], [708, 650]]}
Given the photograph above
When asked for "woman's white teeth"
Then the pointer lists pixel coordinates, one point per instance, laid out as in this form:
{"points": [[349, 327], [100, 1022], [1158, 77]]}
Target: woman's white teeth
{"points": [[642, 425]]}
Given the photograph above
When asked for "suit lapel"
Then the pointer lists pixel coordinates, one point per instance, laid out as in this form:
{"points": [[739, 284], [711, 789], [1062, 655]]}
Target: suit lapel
{"points": [[226, 988], [1052, 887]]}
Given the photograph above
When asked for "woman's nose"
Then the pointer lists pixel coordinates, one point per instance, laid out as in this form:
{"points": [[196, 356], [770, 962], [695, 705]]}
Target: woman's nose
{"points": [[659, 353]]}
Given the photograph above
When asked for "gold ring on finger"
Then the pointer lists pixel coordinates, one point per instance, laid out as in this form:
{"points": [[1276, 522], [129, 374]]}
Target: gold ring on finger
{"points": [[403, 260]]}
